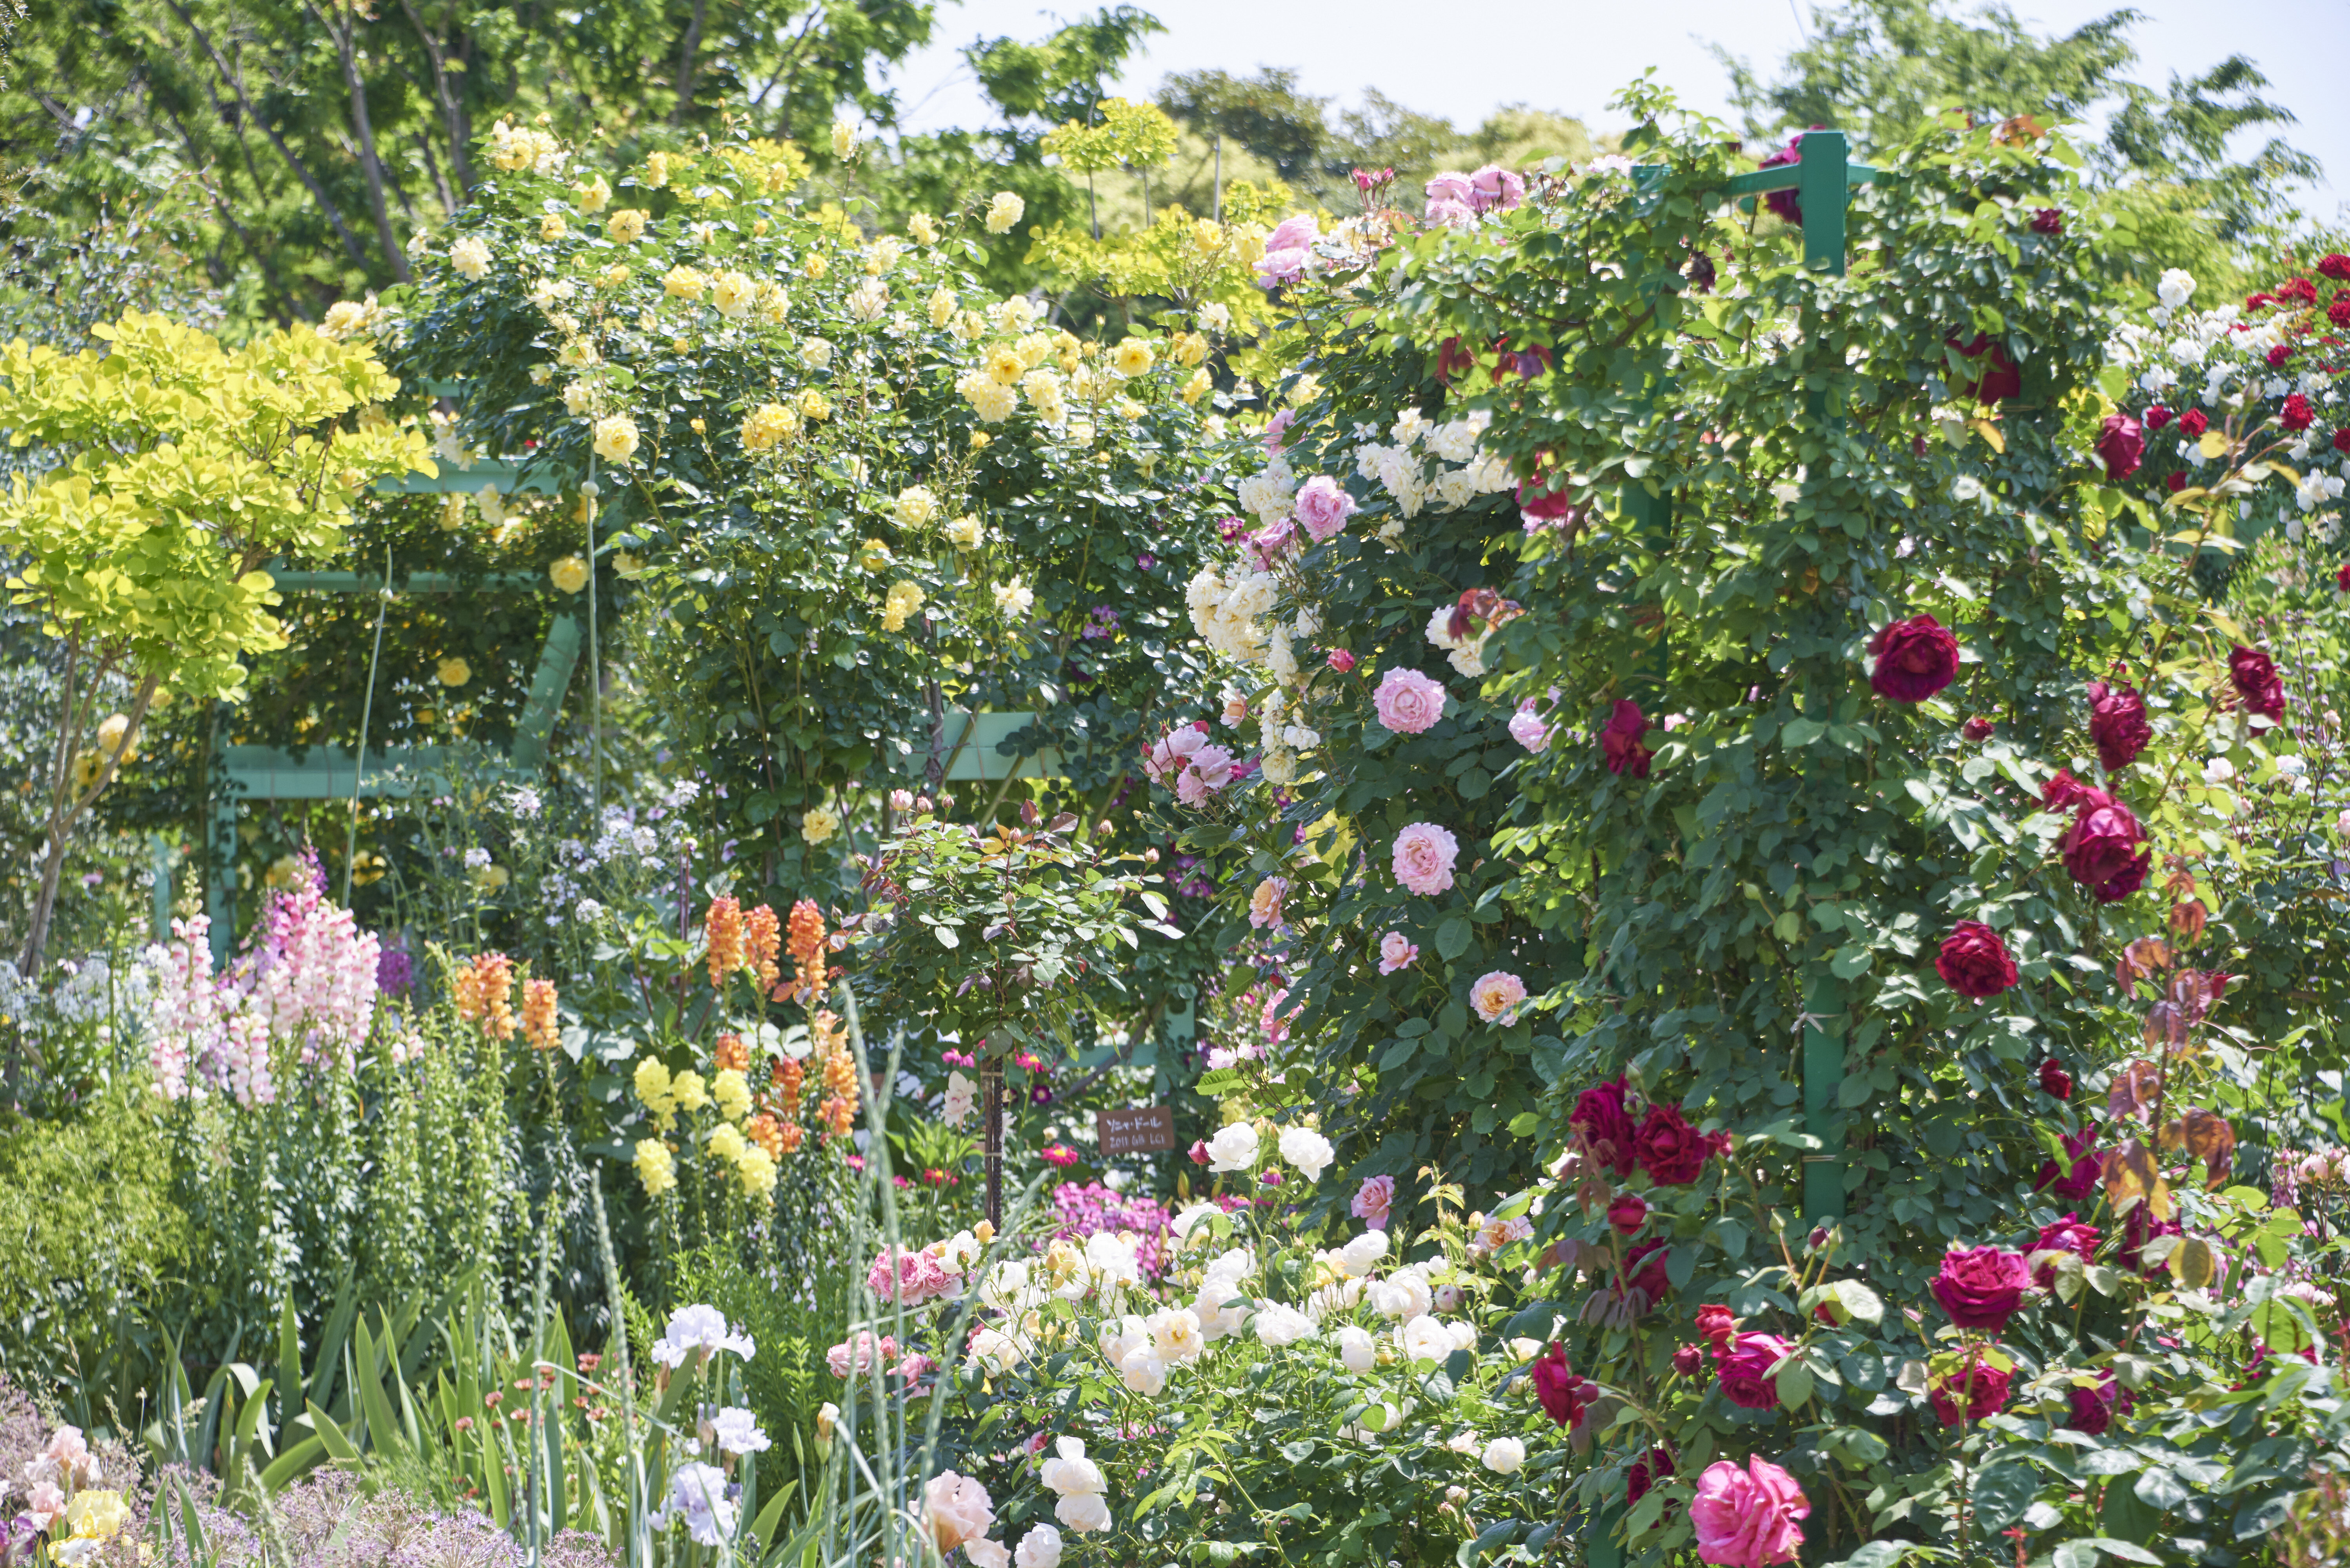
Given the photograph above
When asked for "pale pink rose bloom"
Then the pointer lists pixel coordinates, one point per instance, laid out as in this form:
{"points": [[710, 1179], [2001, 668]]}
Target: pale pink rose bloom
{"points": [[1448, 215], [1746, 1518], [1374, 1200], [1273, 543], [1527, 729], [1323, 507], [957, 1508], [1191, 789], [1264, 904], [1276, 426], [1424, 858], [1294, 233], [1282, 266], [986, 1554], [1496, 995], [1236, 710], [1495, 188], [1288, 249], [1396, 953], [1408, 701], [1213, 764], [1450, 185], [917, 1277], [840, 1360]]}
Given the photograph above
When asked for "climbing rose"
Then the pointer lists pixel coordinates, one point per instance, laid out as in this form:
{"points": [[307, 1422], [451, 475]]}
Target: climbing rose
{"points": [[1719, 1328], [1974, 962], [1746, 1518], [2067, 1235], [2054, 1080], [2121, 444], [2118, 724], [1408, 701], [1619, 741], [1607, 1128], [2255, 676], [1645, 1471], [1786, 204], [1323, 507], [2335, 265], [2102, 852], [1746, 1371], [1984, 1387], [1977, 729], [1558, 1387], [2156, 416], [1668, 1147], [1982, 1287], [1914, 658], [2297, 414], [2047, 221], [1423, 858], [2076, 1178], [2194, 422], [2342, 578], [2064, 791], [2093, 1408], [1628, 1213], [1997, 381]]}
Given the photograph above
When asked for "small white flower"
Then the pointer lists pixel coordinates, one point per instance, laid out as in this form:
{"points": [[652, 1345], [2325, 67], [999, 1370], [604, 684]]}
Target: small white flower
{"points": [[1423, 1338], [2174, 287], [1504, 1456], [1040, 1548], [1234, 1148], [1308, 1151], [1358, 1350]]}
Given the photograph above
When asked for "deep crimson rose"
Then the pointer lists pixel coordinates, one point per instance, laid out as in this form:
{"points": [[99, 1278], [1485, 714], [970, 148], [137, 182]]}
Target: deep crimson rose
{"points": [[1745, 1373], [2279, 355], [2255, 676], [1557, 1386], [2335, 265], [2176, 483], [1619, 741], [2105, 850], [2118, 723], [2259, 300], [1644, 1270], [2342, 436], [2338, 312], [1982, 1287], [2064, 791], [2054, 1080], [2077, 1178], [1974, 962], [1646, 1471], [2193, 422], [2296, 291], [1714, 1322], [2067, 1235], [1995, 381], [2140, 1228], [1783, 202], [2342, 578], [2296, 414], [1606, 1127], [1977, 729], [1689, 1360], [1914, 658], [2122, 444], [2156, 416], [1628, 1213], [2047, 221], [2093, 1408], [1982, 1387], [1669, 1148]]}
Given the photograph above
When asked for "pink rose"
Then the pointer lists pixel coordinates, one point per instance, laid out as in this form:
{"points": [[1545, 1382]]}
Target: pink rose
{"points": [[1288, 250], [957, 1508], [1213, 764], [1323, 507], [1273, 543], [1373, 1201], [1527, 729], [1191, 789], [1449, 195], [1494, 189], [1408, 701], [1340, 660], [1745, 1371], [1276, 426], [915, 1278], [1293, 232], [1496, 995], [1746, 1518], [1424, 858], [1396, 952], [840, 1360]]}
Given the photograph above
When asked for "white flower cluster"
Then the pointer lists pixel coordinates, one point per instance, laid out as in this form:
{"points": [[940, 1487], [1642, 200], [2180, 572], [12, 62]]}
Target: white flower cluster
{"points": [[1423, 464], [1230, 612], [513, 148], [1467, 653]]}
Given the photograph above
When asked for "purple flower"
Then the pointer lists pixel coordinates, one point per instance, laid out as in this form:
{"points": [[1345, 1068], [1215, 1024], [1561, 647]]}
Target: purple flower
{"points": [[1145, 561], [395, 970]]}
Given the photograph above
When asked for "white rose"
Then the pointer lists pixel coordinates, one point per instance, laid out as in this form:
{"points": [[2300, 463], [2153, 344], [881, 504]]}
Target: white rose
{"points": [[1356, 1349], [1308, 1151], [1363, 1250], [1142, 1372], [1175, 1335], [1504, 1456], [471, 257], [1403, 1294], [1425, 1339], [1277, 1327], [1069, 1472], [2174, 287], [1082, 1512], [1040, 1548], [1234, 1148]]}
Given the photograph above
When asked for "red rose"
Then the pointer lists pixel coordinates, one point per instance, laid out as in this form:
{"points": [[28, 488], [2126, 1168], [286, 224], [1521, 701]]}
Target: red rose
{"points": [[2296, 414], [1619, 741], [1628, 1213], [2335, 265], [2338, 312], [2093, 1408], [1995, 382], [2193, 422], [2176, 483], [2156, 416], [1974, 962], [1689, 1360], [2054, 1080], [1977, 729], [2118, 723], [1982, 1386], [1914, 658], [1982, 1287], [2255, 676], [1646, 1471], [1607, 1128], [1783, 202], [2086, 1166], [1745, 1375], [2279, 355], [2121, 444], [1714, 1322], [2296, 291], [2047, 221], [2260, 300], [2103, 850], [1557, 1386], [2064, 791], [1669, 1148], [2342, 578], [2067, 1235], [1644, 1270], [2140, 1228], [2342, 436]]}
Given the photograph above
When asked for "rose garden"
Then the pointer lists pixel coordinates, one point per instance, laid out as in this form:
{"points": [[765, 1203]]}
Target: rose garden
{"points": [[817, 854]]}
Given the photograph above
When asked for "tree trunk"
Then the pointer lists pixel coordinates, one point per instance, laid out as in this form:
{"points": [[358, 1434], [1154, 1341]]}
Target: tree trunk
{"points": [[453, 113], [370, 165], [685, 64], [66, 806]]}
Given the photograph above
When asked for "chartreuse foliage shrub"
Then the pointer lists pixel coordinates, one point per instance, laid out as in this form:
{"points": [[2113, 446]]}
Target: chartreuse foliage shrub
{"points": [[1790, 840]]}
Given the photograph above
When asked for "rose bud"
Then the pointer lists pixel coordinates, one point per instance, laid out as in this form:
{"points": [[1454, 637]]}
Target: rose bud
{"points": [[1628, 1213]]}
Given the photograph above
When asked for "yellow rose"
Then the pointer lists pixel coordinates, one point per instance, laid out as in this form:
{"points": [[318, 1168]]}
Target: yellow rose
{"points": [[815, 267], [683, 283], [844, 139], [1134, 357], [943, 306], [616, 438], [818, 824], [814, 405], [768, 425], [880, 256], [627, 566], [613, 276], [1004, 211], [1207, 234], [1198, 387], [924, 228], [592, 197], [1004, 364], [873, 556], [471, 257], [733, 294], [1190, 349], [553, 227], [904, 600], [454, 673], [916, 506], [656, 174], [627, 225], [964, 532], [569, 574]]}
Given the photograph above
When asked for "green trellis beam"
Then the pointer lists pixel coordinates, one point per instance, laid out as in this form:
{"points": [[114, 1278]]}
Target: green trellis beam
{"points": [[337, 772]]}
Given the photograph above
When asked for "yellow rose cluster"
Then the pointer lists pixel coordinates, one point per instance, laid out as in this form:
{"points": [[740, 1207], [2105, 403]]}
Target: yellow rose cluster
{"points": [[769, 426], [904, 600]]}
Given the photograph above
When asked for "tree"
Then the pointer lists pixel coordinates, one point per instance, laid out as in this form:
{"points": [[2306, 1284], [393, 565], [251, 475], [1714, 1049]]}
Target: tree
{"points": [[1264, 113], [184, 469]]}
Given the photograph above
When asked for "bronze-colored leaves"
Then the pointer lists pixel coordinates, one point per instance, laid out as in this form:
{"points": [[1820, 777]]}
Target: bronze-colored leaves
{"points": [[2208, 1136], [2132, 1176], [2133, 1090]]}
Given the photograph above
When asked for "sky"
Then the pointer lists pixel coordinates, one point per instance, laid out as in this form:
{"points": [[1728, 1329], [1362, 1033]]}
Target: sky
{"points": [[1463, 58]]}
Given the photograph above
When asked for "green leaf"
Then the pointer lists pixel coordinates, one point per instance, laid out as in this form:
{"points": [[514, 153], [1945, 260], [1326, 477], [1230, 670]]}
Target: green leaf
{"points": [[2001, 1493], [1860, 1303], [1801, 732], [1453, 937], [2161, 1488], [2128, 1552], [1795, 1384]]}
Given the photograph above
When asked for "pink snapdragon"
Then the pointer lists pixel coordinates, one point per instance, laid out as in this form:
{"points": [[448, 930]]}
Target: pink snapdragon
{"points": [[1408, 701], [1424, 856]]}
